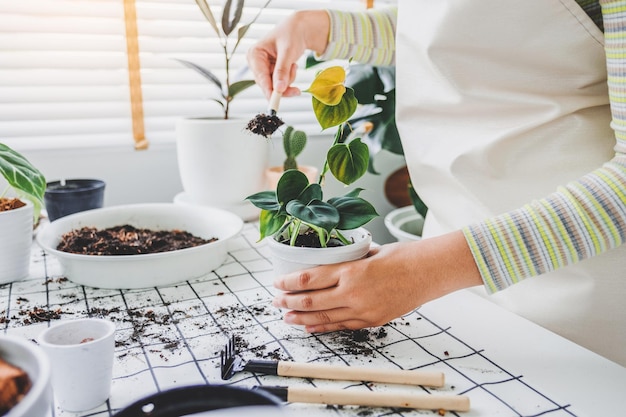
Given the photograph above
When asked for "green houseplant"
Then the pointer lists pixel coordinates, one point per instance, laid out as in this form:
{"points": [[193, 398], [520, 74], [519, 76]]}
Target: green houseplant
{"points": [[18, 213], [230, 31], [296, 208], [26, 180], [207, 146]]}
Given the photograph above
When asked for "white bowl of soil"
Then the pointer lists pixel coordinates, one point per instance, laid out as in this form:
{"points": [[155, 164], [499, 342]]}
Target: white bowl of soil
{"points": [[142, 270]]}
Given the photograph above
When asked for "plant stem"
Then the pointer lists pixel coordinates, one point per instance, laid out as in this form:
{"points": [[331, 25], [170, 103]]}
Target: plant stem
{"points": [[338, 135]]}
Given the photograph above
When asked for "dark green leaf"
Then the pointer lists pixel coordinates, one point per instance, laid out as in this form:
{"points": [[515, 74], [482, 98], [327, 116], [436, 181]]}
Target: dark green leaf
{"points": [[348, 162], [290, 185], [310, 193], [265, 200], [354, 211], [419, 205], [317, 213]]}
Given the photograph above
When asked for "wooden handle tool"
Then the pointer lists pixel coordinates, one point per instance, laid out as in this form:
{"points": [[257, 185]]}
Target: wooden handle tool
{"points": [[274, 101], [347, 373], [370, 399]]}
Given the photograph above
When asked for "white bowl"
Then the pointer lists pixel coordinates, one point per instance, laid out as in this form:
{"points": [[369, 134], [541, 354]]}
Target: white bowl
{"points": [[148, 270], [32, 359], [405, 224]]}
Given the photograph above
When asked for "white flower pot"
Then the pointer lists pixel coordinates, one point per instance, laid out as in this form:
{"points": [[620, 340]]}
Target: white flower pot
{"points": [[405, 224], [287, 258], [16, 231], [220, 162]]}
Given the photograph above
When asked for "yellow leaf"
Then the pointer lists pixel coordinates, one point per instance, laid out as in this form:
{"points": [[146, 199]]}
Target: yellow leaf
{"points": [[328, 86]]}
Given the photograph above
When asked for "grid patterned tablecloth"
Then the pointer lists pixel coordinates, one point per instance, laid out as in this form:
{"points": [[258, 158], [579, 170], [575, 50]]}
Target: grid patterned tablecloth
{"points": [[172, 336]]}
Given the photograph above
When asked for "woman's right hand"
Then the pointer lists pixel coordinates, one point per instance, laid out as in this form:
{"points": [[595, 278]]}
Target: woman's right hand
{"points": [[272, 59]]}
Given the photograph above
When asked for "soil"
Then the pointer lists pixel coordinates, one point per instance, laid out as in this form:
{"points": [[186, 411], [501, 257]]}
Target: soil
{"points": [[310, 239], [264, 124], [7, 204], [127, 240]]}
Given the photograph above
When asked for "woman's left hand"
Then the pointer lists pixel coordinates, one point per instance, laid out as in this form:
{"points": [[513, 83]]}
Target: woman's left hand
{"points": [[391, 281]]}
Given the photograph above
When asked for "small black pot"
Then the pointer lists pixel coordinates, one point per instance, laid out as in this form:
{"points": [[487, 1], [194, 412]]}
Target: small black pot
{"points": [[196, 399], [72, 197]]}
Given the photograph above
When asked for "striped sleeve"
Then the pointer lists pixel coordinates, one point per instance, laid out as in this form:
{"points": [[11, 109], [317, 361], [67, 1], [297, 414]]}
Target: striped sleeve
{"points": [[367, 37], [580, 220]]}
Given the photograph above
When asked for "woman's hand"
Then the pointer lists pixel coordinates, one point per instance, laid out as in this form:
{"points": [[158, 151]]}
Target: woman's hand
{"points": [[393, 280], [273, 59]]}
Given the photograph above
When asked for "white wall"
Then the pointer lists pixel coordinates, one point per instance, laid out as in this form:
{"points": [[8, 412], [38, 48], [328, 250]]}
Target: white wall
{"points": [[152, 175]]}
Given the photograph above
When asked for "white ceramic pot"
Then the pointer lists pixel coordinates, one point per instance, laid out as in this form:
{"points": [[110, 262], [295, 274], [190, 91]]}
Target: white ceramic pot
{"points": [[405, 224], [287, 258], [220, 162], [274, 173], [16, 231]]}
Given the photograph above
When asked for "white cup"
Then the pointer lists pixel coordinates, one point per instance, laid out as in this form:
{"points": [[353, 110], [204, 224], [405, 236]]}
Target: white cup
{"points": [[81, 355]]}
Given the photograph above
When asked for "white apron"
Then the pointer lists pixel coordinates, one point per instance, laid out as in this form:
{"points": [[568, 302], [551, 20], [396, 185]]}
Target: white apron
{"points": [[499, 102]]}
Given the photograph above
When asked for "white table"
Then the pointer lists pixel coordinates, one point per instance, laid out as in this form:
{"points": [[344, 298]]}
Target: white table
{"points": [[172, 336]]}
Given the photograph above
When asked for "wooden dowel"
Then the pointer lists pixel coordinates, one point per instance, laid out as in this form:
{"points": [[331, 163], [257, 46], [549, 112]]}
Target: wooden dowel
{"points": [[378, 399], [361, 373]]}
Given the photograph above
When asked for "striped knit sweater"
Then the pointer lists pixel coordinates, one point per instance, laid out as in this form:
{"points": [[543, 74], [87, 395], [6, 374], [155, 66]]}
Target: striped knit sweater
{"points": [[581, 219]]}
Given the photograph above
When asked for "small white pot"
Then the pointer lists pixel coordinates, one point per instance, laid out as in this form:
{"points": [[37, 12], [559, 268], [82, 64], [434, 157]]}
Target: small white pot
{"points": [[405, 224], [16, 229], [287, 258], [219, 161]]}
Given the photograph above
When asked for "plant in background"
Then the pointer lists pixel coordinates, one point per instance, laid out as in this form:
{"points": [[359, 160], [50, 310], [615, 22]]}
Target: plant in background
{"points": [[297, 208], [27, 181], [230, 33], [294, 142]]}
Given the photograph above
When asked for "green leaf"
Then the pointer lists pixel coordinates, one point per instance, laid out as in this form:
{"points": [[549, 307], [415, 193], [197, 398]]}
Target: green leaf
{"points": [[329, 116], [354, 211], [290, 185], [27, 180], [310, 193], [348, 162], [317, 213], [265, 200], [270, 222], [239, 86]]}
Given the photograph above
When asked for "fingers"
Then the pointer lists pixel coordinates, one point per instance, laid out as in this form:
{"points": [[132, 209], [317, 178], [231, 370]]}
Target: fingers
{"points": [[307, 280]]}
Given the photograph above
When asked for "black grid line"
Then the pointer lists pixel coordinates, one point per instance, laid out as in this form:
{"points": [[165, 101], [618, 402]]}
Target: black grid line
{"points": [[172, 336]]}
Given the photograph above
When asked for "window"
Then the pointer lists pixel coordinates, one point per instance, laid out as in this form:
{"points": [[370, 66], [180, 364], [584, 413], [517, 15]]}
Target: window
{"points": [[64, 78]]}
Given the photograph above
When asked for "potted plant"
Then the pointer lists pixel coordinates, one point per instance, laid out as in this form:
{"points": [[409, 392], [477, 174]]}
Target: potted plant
{"points": [[18, 213], [219, 162], [375, 91], [297, 220], [294, 142]]}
